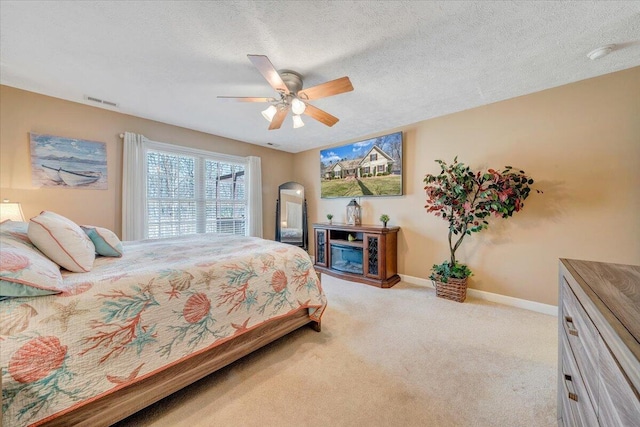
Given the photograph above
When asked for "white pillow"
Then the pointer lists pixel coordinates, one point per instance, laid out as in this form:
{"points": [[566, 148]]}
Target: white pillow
{"points": [[63, 241]]}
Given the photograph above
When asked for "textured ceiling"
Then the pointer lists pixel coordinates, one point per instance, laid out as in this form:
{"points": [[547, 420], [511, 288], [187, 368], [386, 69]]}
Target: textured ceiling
{"points": [[408, 61]]}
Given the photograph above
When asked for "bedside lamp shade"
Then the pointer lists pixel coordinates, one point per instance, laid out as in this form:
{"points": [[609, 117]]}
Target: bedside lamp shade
{"points": [[12, 211]]}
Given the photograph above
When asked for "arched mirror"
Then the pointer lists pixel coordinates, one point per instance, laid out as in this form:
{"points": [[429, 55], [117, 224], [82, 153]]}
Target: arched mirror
{"points": [[291, 215]]}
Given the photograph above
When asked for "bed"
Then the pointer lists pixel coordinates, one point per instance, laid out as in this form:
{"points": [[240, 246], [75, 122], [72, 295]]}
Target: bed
{"points": [[137, 328]]}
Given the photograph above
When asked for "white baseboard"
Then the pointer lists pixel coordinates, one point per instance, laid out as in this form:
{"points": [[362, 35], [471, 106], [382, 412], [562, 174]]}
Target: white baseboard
{"points": [[488, 296]]}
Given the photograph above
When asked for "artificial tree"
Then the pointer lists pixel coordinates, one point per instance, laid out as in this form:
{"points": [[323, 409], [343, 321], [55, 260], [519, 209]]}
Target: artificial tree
{"points": [[465, 199]]}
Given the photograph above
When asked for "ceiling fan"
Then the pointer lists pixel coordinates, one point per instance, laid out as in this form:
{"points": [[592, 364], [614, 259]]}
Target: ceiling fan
{"points": [[292, 97]]}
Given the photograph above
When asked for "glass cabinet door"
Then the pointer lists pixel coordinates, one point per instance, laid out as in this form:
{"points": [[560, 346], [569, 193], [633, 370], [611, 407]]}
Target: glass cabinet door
{"points": [[322, 256], [372, 256]]}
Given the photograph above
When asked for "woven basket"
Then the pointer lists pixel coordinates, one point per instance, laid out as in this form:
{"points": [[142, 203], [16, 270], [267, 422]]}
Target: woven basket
{"points": [[454, 289]]}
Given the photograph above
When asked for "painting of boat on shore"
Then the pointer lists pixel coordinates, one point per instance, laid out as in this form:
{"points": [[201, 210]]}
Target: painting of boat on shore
{"points": [[68, 163]]}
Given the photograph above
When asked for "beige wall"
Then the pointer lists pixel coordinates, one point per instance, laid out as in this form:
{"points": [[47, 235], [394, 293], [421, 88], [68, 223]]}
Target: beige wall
{"points": [[580, 142], [22, 112]]}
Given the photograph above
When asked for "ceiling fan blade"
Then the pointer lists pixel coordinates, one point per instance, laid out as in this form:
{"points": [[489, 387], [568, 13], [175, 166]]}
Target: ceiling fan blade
{"points": [[320, 115], [246, 99], [334, 87], [278, 118], [268, 71]]}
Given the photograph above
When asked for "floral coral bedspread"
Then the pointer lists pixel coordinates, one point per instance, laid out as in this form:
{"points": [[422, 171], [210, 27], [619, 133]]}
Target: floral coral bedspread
{"points": [[130, 316]]}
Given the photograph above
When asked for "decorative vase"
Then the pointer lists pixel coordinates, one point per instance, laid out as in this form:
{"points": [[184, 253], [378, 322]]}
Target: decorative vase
{"points": [[454, 289], [384, 224]]}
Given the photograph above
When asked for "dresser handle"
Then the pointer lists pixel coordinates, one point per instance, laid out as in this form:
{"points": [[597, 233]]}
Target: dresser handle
{"points": [[572, 329], [569, 384]]}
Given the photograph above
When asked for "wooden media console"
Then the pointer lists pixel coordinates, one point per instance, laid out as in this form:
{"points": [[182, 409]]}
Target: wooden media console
{"points": [[360, 253]]}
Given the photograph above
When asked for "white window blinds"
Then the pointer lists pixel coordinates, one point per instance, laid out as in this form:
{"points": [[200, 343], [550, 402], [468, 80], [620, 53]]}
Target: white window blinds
{"points": [[194, 193], [170, 190]]}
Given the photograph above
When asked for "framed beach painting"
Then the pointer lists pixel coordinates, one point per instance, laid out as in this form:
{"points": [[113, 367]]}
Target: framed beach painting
{"points": [[372, 167], [68, 163]]}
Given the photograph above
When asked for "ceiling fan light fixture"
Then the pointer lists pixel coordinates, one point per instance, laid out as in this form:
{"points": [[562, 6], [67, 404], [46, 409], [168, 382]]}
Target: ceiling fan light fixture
{"points": [[297, 121], [600, 52], [297, 106], [269, 113], [291, 97]]}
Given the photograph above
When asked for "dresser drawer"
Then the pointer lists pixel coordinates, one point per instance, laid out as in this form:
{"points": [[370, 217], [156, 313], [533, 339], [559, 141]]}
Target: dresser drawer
{"points": [[599, 336], [577, 406], [619, 401], [582, 336]]}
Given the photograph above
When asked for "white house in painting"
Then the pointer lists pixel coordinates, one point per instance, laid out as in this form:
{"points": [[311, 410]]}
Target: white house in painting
{"points": [[343, 169], [375, 162]]}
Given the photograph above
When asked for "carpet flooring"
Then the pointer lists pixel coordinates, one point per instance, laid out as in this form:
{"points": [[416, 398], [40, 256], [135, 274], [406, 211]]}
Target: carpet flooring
{"points": [[385, 357]]}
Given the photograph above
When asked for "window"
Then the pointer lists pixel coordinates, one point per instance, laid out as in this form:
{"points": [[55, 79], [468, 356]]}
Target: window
{"points": [[380, 168], [367, 169], [190, 193], [168, 190], [373, 157]]}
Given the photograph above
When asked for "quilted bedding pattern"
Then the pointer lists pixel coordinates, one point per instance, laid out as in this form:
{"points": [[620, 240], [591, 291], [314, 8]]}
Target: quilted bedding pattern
{"points": [[130, 316]]}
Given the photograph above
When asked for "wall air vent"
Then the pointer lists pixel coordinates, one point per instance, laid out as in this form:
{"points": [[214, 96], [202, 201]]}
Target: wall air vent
{"points": [[100, 101]]}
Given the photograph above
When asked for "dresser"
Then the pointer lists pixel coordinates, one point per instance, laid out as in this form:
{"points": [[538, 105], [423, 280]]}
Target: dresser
{"points": [[599, 344]]}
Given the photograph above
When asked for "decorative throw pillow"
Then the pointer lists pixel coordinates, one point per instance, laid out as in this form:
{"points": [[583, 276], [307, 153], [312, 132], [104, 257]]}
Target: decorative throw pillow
{"points": [[15, 231], [105, 240], [63, 241], [26, 272]]}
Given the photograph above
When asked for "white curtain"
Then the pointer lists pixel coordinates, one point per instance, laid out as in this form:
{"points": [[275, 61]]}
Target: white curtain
{"points": [[254, 187], [134, 188]]}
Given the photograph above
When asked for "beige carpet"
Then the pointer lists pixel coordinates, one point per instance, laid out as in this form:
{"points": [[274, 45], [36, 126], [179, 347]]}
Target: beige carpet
{"points": [[385, 357]]}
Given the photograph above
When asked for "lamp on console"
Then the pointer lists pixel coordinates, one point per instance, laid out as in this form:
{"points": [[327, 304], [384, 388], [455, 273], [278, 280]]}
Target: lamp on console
{"points": [[10, 210]]}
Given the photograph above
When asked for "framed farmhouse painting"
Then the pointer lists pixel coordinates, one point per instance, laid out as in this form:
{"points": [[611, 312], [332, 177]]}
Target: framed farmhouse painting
{"points": [[372, 167], [68, 163]]}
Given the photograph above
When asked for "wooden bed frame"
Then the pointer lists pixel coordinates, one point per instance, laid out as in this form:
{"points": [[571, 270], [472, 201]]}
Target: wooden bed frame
{"points": [[129, 400]]}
